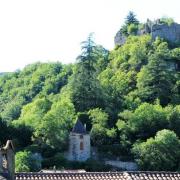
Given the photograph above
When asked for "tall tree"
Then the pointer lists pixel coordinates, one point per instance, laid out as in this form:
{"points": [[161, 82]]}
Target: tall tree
{"points": [[155, 80], [86, 90]]}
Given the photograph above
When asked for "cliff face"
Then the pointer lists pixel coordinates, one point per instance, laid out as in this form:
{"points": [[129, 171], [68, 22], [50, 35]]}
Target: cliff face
{"points": [[170, 33], [119, 39]]}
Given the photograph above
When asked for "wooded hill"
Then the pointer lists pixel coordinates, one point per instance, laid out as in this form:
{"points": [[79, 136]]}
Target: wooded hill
{"points": [[128, 98]]}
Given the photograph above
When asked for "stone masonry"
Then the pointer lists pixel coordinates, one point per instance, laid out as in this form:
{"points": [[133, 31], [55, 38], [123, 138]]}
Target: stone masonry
{"points": [[7, 161], [79, 143], [170, 33]]}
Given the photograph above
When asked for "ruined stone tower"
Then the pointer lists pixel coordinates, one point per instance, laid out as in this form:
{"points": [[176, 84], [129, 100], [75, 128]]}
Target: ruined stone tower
{"points": [[79, 143]]}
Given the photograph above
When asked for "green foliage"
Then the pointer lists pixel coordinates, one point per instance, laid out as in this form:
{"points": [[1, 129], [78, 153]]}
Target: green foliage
{"points": [[57, 161], [4, 133], [134, 88], [133, 54], [131, 25], [132, 29], [98, 117], [100, 133], [173, 118], [145, 121], [124, 30], [167, 20], [27, 162], [56, 124], [131, 18], [86, 90], [159, 153], [33, 113], [12, 109], [155, 80], [93, 165], [21, 135], [119, 78], [22, 161], [113, 151]]}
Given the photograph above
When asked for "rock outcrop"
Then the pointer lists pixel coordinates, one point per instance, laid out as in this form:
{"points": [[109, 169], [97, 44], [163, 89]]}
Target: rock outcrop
{"points": [[119, 39], [170, 33]]}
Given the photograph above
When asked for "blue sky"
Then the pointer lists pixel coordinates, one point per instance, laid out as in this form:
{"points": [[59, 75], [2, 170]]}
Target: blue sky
{"points": [[51, 30]]}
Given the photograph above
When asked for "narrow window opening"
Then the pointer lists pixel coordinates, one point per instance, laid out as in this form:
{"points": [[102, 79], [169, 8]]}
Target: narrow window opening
{"points": [[81, 146]]}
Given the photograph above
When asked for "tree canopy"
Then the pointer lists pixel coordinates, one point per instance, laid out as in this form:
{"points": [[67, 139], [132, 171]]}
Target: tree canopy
{"points": [[126, 97]]}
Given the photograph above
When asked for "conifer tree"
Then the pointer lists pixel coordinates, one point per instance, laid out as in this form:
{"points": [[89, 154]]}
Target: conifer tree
{"points": [[155, 81], [131, 19], [86, 90]]}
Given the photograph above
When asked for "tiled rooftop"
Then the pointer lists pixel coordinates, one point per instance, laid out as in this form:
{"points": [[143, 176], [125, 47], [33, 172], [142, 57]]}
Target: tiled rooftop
{"points": [[100, 176]]}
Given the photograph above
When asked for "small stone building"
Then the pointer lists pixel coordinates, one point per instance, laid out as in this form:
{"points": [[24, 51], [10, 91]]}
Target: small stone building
{"points": [[79, 143]]}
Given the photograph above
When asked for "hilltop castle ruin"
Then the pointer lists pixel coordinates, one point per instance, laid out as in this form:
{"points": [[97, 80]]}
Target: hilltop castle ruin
{"points": [[170, 33]]}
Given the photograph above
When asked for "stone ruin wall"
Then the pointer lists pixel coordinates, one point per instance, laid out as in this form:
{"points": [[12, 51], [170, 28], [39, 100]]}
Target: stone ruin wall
{"points": [[170, 33]]}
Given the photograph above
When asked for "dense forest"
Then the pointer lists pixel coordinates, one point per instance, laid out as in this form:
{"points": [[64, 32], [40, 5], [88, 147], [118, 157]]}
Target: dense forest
{"points": [[128, 98]]}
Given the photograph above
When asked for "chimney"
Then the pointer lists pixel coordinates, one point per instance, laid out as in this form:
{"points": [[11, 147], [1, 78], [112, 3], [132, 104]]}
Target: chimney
{"points": [[7, 155]]}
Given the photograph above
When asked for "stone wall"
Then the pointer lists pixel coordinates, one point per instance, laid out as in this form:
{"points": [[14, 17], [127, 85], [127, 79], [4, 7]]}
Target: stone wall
{"points": [[79, 147], [170, 33], [129, 166], [119, 38], [7, 160]]}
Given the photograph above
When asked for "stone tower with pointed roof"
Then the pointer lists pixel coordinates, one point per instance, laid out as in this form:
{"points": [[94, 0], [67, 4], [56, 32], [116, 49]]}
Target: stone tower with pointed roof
{"points": [[79, 143]]}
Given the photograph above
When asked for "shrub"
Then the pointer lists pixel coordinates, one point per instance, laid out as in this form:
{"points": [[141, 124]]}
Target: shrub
{"points": [[22, 161], [132, 29], [166, 20], [159, 153], [57, 160], [26, 161]]}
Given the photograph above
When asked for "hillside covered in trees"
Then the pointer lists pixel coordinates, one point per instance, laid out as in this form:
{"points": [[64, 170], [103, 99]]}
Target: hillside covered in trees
{"points": [[128, 98]]}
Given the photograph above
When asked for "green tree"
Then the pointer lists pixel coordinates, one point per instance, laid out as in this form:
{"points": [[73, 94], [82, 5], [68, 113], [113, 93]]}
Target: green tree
{"points": [[173, 117], [155, 80], [27, 162], [12, 109], [32, 114], [86, 90], [131, 25], [161, 153], [131, 18], [167, 20], [4, 133], [56, 124], [141, 124], [100, 133], [22, 161], [132, 29]]}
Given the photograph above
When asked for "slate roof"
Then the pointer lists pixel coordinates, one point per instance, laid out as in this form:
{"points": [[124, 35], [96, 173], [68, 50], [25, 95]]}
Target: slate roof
{"points": [[100, 176], [79, 128]]}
